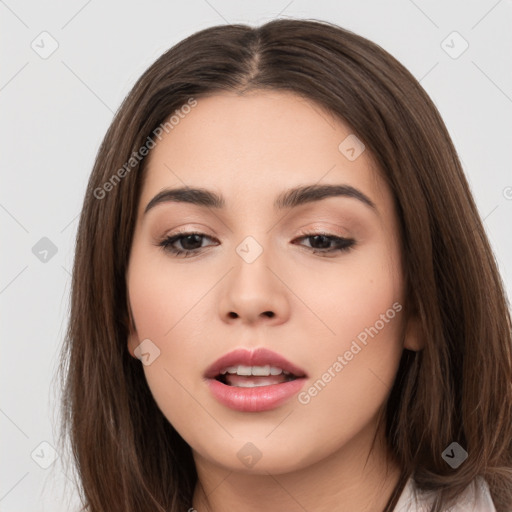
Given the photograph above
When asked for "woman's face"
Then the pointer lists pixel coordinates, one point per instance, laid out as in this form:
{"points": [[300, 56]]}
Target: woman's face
{"points": [[257, 277]]}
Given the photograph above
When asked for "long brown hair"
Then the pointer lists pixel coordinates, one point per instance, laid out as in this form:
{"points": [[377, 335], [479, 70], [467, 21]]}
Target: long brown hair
{"points": [[458, 388]]}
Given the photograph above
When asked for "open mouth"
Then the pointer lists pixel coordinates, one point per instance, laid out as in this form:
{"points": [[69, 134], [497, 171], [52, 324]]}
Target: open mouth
{"points": [[254, 376], [254, 381]]}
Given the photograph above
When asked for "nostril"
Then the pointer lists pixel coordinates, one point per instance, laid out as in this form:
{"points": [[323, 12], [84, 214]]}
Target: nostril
{"points": [[270, 314]]}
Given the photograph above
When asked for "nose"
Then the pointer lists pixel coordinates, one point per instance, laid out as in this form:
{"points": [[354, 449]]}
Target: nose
{"points": [[254, 293]]}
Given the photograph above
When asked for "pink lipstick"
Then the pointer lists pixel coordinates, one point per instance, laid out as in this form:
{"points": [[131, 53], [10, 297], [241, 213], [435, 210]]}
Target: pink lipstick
{"points": [[254, 381]]}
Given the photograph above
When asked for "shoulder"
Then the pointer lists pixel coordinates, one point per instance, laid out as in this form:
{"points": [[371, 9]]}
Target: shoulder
{"points": [[475, 498]]}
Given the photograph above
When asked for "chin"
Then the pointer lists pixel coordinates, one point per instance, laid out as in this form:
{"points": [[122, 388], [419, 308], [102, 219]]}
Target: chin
{"points": [[260, 457]]}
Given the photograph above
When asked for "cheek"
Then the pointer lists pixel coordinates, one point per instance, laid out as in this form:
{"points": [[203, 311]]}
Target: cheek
{"points": [[356, 359], [351, 294], [160, 299], [167, 310], [354, 373]]}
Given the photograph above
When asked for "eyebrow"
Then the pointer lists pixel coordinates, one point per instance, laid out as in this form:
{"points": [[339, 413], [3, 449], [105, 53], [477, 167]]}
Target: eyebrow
{"points": [[288, 199]]}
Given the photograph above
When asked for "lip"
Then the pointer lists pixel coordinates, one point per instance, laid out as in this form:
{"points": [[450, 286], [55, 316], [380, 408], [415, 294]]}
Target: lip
{"points": [[258, 357], [256, 399]]}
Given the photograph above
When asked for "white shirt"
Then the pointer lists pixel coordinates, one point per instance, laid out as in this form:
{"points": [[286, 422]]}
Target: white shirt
{"points": [[475, 498]]}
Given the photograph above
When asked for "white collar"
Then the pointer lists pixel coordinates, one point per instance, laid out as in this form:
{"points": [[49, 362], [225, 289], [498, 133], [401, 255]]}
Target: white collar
{"points": [[475, 498]]}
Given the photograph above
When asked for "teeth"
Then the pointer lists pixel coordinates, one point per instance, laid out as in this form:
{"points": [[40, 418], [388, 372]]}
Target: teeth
{"points": [[262, 382], [243, 370], [261, 371]]}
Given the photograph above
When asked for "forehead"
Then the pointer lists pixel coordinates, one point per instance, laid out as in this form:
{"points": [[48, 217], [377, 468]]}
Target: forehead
{"points": [[252, 146]]}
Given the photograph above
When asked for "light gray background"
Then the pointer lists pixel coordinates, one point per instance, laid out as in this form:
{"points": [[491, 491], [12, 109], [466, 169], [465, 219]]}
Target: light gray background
{"points": [[55, 111]]}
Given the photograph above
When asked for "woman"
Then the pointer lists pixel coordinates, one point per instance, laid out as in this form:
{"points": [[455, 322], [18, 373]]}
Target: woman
{"points": [[283, 295]]}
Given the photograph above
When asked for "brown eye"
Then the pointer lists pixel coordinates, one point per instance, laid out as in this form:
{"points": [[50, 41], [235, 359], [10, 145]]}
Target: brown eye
{"points": [[191, 243], [326, 243]]}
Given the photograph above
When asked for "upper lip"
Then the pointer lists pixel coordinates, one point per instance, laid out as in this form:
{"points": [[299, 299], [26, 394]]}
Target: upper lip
{"points": [[257, 357]]}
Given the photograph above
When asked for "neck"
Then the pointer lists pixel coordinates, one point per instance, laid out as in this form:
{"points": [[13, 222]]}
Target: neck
{"points": [[348, 480]]}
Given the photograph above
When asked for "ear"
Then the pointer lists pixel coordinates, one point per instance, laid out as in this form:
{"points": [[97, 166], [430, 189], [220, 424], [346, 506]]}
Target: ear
{"points": [[413, 337], [133, 338]]}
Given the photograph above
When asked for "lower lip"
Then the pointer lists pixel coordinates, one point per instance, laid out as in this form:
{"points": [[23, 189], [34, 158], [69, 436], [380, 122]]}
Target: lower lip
{"points": [[257, 399]]}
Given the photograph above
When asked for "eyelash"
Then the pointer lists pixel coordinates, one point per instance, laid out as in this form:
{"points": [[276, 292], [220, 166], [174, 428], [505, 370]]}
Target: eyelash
{"points": [[345, 244]]}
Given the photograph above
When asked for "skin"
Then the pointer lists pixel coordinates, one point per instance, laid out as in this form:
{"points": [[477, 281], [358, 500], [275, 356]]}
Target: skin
{"points": [[250, 147]]}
